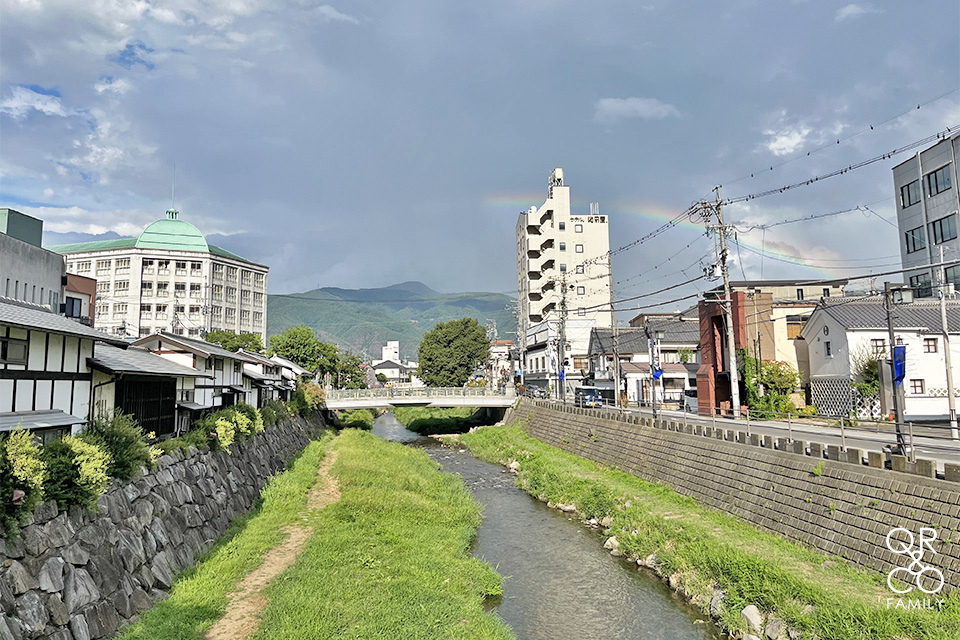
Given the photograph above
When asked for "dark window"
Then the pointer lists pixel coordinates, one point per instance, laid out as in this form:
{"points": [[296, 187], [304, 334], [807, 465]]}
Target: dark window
{"points": [[915, 240], [563, 268], [878, 347], [562, 225], [799, 294], [13, 351], [237, 367], [563, 246], [953, 275], [921, 285], [74, 307], [943, 229], [929, 345], [826, 292], [916, 386], [827, 351], [938, 181], [218, 364], [910, 194]]}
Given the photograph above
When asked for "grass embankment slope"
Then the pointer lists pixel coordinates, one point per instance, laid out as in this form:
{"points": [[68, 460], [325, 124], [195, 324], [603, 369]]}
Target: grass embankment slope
{"points": [[429, 421], [390, 559], [703, 549]]}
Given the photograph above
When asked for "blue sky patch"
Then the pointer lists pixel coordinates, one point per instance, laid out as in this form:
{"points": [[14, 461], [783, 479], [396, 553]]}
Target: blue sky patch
{"points": [[44, 91], [132, 55]]}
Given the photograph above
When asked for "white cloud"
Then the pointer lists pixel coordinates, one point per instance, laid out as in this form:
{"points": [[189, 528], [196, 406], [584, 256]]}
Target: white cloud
{"points": [[23, 100], [787, 140], [118, 85], [853, 11], [615, 109], [330, 14]]}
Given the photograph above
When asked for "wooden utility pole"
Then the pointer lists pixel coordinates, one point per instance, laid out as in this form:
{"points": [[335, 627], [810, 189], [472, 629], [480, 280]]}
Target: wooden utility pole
{"points": [[728, 310]]}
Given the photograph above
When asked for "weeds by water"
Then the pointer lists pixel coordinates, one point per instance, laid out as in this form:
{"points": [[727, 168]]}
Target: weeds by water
{"points": [[706, 549], [429, 421]]}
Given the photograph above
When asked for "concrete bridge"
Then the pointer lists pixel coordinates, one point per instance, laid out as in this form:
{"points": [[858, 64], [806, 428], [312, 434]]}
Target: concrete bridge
{"points": [[480, 397]]}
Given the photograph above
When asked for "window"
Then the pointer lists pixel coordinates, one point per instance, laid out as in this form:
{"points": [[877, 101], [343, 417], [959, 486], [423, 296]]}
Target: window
{"points": [[921, 285], [146, 310], [579, 248], [194, 332], [943, 229], [878, 347], [581, 311], [122, 286], [148, 263], [146, 288], [938, 181], [237, 367], [799, 294], [83, 267], [916, 387], [929, 345], [217, 292], [915, 240], [194, 290], [232, 273], [195, 268], [259, 279], [74, 307], [163, 266], [103, 287], [578, 228], [245, 277], [181, 264], [245, 296], [103, 266], [180, 288], [579, 268], [144, 331], [218, 271], [581, 291], [119, 309], [258, 299], [257, 318], [244, 316], [562, 226], [163, 288], [563, 268], [123, 265], [826, 292], [910, 194], [827, 350], [563, 246], [953, 275], [13, 351], [161, 312], [218, 364]]}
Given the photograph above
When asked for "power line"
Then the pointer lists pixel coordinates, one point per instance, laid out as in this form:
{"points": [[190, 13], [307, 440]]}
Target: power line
{"points": [[817, 265]]}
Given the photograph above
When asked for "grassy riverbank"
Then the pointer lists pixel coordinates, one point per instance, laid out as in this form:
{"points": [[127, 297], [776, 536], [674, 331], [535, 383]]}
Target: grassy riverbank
{"points": [[428, 421], [199, 596], [703, 551], [390, 559]]}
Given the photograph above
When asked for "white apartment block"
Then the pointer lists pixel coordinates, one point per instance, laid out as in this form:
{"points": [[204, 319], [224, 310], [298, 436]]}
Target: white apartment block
{"points": [[562, 261], [170, 279], [927, 206]]}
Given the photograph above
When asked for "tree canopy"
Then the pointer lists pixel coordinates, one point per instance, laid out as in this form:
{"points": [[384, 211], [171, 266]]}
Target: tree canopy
{"points": [[234, 342], [301, 345], [451, 351]]}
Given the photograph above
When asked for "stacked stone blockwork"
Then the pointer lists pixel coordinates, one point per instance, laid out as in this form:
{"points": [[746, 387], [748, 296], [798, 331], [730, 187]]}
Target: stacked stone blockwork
{"points": [[79, 574], [805, 492]]}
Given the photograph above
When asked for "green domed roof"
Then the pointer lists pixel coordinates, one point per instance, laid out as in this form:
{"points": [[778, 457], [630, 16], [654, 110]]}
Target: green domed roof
{"points": [[171, 233]]}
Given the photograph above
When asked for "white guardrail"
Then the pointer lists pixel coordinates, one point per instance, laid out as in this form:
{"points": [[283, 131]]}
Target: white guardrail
{"points": [[419, 392]]}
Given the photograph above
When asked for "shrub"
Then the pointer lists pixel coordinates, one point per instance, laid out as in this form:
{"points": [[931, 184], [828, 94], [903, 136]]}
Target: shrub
{"points": [[77, 471], [356, 419], [121, 436], [22, 476], [269, 416], [226, 431], [279, 408]]}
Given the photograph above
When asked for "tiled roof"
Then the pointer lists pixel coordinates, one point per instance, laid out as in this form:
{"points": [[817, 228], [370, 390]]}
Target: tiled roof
{"points": [[137, 360], [96, 245], [293, 366], [869, 313], [201, 347], [634, 339], [40, 319], [258, 359], [37, 419]]}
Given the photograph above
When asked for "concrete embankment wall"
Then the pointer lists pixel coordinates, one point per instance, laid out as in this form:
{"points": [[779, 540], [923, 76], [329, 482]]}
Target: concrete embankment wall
{"points": [[843, 508], [80, 574]]}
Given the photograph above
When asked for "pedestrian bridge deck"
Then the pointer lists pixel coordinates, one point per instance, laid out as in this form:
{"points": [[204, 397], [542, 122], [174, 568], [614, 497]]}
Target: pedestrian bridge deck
{"points": [[420, 397]]}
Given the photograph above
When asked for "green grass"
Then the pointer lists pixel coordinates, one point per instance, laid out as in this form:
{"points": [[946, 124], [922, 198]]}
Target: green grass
{"points": [[356, 419], [199, 597], [390, 559], [706, 548], [429, 421]]}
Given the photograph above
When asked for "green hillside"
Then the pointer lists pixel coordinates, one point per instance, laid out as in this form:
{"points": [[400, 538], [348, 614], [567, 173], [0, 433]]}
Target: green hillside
{"points": [[362, 320]]}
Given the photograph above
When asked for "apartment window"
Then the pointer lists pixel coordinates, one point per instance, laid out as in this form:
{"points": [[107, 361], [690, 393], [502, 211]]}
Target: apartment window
{"points": [[921, 285], [13, 351], [102, 310], [826, 292], [103, 287], [915, 240], [231, 314], [146, 288], [163, 266], [83, 267], [878, 347], [245, 296], [194, 332], [231, 294], [148, 263], [943, 229], [245, 277], [122, 286], [938, 181], [799, 294], [258, 299], [579, 268], [258, 279], [181, 267], [194, 309], [916, 387], [563, 246], [578, 228], [178, 308], [180, 288], [827, 350], [194, 290], [146, 310], [216, 312], [195, 268], [123, 265], [73, 307], [244, 316], [161, 312], [120, 309], [257, 318], [103, 266], [163, 288], [910, 194], [581, 291], [953, 275], [218, 271], [232, 273], [581, 311], [562, 226], [563, 268], [929, 345]]}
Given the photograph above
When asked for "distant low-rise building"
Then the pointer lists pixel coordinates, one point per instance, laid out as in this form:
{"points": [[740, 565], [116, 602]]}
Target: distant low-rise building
{"points": [[28, 272]]}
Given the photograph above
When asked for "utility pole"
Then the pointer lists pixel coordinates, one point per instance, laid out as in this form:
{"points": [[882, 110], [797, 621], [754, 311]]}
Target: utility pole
{"points": [[951, 402], [888, 303], [728, 309]]}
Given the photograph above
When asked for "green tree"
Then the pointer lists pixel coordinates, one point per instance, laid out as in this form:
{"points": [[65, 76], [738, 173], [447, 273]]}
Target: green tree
{"points": [[350, 374], [451, 351], [299, 345], [381, 378], [234, 342]]}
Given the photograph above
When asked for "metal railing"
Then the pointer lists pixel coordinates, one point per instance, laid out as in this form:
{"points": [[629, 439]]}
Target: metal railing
{"points": [[418, 392]]}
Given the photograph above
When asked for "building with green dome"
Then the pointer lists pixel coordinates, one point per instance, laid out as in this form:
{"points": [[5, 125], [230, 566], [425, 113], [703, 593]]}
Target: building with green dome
{"points": [[169, 278]]}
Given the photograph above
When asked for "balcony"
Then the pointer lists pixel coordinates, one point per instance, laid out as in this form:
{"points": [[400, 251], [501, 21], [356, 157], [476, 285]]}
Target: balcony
{"points": [[533, 229], [547, 244], [533, 275], [533, 254], [549, 285], [547, 216], [547, 308]]}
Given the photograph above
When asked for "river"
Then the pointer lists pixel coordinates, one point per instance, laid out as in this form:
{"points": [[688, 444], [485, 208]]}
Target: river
{"points": [[559, 582]]}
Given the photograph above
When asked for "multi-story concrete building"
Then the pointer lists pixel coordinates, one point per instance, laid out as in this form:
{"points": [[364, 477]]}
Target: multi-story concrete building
{"points": [[563, 272], [170, 279], [28, 272], [927, 206]]}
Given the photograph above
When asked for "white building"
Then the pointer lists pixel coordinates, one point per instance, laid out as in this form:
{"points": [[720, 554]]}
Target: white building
{"points": [[563, 272], [29, 272], [170, 279], [842, 331], [927, 205], [395, 370]]}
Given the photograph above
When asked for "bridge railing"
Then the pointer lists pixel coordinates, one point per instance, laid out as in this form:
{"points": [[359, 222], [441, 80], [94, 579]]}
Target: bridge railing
{"points": [[419, 392]]}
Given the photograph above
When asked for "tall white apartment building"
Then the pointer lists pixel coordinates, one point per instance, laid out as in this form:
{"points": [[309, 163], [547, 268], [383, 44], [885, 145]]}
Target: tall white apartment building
{"points": [[170, 279], [563, 285], [927, 206]]}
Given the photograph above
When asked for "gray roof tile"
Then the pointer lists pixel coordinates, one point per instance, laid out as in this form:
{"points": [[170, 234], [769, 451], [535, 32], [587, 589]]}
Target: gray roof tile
{"points": [[138, 361], [41, 319], [869, 313]]}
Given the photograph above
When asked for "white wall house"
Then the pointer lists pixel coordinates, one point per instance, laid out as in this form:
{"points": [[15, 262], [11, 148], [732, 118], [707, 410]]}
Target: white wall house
{"points": [[227, 384], [840, 331], [264, 375], [45, 382]]}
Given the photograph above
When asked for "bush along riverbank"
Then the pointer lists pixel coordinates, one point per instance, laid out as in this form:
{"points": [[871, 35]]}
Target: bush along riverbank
{"points": [[390, 559], [428, 421], [752, 583]]}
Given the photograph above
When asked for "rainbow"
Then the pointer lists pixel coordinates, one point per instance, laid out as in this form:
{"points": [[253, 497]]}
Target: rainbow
{"points": [[658, 214]]}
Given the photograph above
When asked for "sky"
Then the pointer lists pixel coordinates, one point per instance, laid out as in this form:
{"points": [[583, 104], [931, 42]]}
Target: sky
{"points": [[362, 143]]}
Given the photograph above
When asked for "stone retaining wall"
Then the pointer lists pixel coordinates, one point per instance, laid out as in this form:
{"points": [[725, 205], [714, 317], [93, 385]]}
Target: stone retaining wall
{"points": [[837, 507], [80, 574]]}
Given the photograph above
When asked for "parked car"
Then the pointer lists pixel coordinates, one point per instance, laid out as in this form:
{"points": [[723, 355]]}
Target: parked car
{"points": [[690, 400], [588, 397]]}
